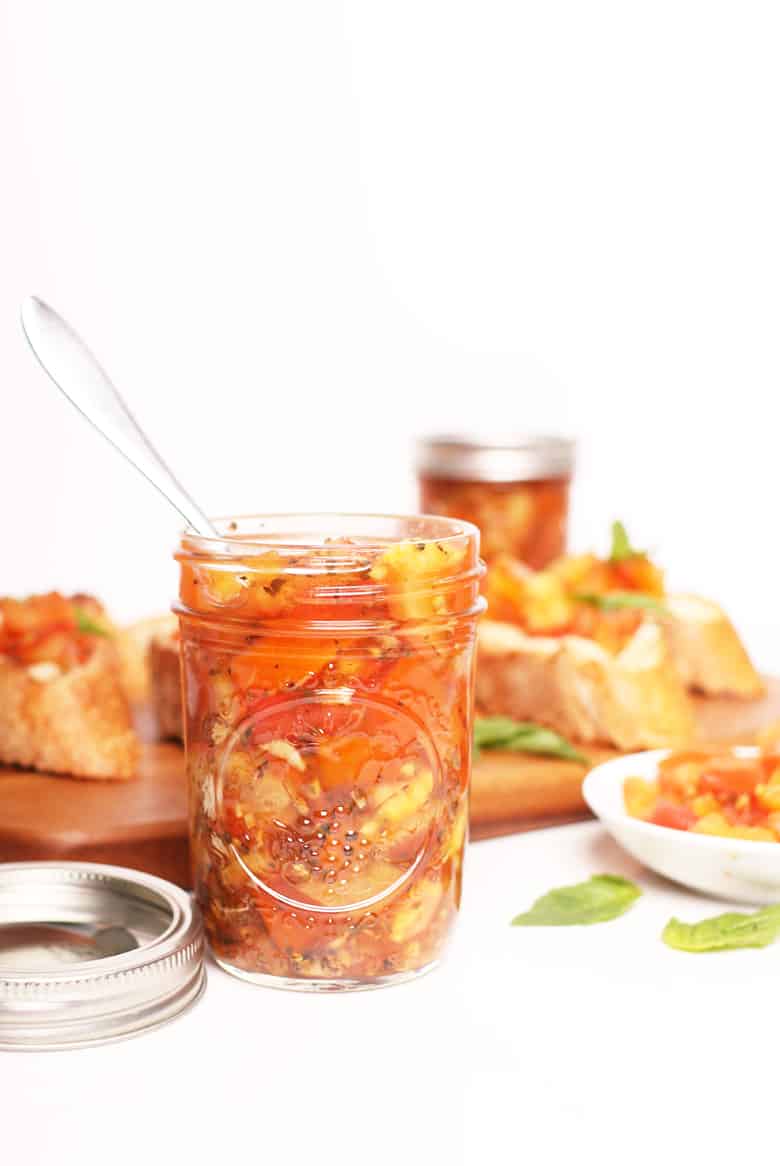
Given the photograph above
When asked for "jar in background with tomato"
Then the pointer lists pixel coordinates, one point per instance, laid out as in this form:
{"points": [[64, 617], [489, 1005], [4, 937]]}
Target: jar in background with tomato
{"points": [[515, 491]]}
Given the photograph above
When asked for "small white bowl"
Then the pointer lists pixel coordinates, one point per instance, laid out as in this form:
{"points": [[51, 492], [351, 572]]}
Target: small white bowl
{"points": [[729, 868]]}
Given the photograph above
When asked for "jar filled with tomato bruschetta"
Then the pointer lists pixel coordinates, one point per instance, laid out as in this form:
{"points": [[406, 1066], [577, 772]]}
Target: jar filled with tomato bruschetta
{"points": [[515, 491], [328, 687]]}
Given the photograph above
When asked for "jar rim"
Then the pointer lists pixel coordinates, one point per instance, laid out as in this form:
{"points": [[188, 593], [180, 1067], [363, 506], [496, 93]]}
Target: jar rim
{"points": [[335, 574], [336, 531]]}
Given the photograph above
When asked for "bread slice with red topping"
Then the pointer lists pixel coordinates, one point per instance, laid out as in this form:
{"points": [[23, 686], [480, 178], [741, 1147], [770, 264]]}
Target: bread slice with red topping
{"points": [[62, 706], [632, 698], [597, 649]]}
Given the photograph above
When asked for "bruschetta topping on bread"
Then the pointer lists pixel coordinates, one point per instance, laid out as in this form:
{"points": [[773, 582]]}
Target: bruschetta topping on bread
{"points": [[605, 600], [62, 705], [598, 650], [51, 629]]}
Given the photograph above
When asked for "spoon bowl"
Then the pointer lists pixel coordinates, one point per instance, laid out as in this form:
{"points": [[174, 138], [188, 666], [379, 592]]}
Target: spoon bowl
{"points": [[64, 356]]}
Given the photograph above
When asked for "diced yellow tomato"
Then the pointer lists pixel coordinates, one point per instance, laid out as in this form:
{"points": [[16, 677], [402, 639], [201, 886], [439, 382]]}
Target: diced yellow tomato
{"points": [[408, 569], [752, 833], [400, 805], [456, 836], [714, 823], [640, 796], [537, 599], [417, 912], [705, 804], [768, 796]]}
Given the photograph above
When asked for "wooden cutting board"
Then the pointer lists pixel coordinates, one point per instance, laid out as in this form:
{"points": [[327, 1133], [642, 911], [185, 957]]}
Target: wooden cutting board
{"points": [[143, 823]]}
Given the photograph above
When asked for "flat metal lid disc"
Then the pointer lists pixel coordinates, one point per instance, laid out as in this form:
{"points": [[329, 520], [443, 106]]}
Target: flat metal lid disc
{"points": [[90, 953]]}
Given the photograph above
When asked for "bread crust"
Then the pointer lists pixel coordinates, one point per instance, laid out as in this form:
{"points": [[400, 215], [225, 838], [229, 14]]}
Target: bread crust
{"points": [[76, 722], [165, 685], [633, 700], [707, 650], [133, 645]]}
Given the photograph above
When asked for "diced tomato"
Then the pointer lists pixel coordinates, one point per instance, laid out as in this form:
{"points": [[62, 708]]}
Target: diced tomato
{"points": [[46, 628], [637, 573], [674, 816], [770, 763], [727, 795], [269, 670], [686, 757], [730, 776], [611, 629], [745, 812]]}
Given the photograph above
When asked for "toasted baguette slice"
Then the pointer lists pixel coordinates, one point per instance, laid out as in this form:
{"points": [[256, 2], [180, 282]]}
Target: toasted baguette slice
{"points": [[633, 700], [707, 651], [165, 683], [133, 644], [75, 722]]}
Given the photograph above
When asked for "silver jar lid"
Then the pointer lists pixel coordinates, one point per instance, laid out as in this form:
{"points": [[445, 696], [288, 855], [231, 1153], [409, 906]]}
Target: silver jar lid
{"points": [[90, 953], [520, 459]]}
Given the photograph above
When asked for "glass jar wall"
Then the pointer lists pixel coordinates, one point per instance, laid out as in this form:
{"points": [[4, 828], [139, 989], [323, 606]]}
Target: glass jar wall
{"points": [[328, 675]]}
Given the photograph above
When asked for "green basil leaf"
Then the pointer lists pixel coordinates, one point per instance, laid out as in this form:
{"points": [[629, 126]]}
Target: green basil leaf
{"points": [[621, 545], [616, 600], [523, 737], [546, 743], [724, 932], [497, 732], [601, 898], [85, 623]]}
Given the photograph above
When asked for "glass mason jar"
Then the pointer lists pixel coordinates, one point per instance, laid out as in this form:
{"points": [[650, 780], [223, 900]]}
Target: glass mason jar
{"points": [[328, 665], [516, 492]]}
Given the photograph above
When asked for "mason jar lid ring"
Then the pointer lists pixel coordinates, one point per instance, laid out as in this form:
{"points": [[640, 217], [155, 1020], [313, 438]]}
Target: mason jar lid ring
{"points": [[520, 459], [90, 953]]}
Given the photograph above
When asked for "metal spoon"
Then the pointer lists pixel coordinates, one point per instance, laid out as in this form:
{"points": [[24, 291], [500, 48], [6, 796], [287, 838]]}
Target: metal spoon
{"points": [[79, 377]]}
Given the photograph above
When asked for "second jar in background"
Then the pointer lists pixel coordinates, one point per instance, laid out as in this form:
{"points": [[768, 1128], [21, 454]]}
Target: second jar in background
{"points": [[516, 492]]}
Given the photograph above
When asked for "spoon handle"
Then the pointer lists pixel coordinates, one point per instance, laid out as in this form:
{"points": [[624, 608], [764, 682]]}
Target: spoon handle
{"points": [[79, 377]]}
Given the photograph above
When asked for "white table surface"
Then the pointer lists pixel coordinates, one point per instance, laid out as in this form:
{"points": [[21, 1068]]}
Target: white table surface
{"points": [[528, 1045]]}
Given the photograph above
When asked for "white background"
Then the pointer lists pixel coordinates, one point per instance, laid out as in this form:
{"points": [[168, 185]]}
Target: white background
{"points": [[584, 1046], [300, 233]]}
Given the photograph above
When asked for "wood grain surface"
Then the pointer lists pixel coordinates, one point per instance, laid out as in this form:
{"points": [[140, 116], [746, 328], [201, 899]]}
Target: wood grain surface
{"points": [[512, 792], [143, 823]]}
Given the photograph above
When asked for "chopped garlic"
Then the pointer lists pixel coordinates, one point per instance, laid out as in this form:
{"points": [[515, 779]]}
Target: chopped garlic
{"points": [[220, 731], [44, 671], [286, 752], [208, 797]]}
